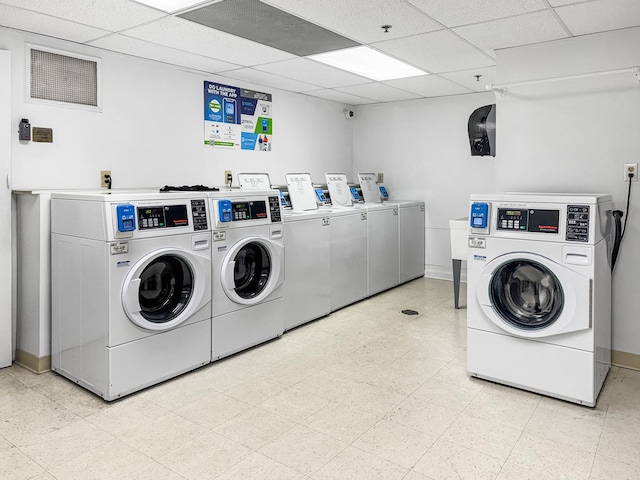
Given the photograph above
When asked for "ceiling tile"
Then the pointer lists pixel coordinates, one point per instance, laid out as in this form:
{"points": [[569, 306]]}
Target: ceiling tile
{"points": [[467, 78], [436, 52], [192, 37], [557, 3], [270, 80], [600, 16], [513, 31], [379, 91], [313, 72], [455, 13], [113, 16], [267, 25], [340, 97], [140, 48], [361, 19], [428, 86], [30, 21]]}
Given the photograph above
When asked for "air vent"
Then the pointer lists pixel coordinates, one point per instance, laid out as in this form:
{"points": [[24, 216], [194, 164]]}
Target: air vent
{"points": [[63, 78]]}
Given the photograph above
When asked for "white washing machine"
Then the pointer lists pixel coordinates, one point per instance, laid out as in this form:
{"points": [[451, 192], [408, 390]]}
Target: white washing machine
{"points": [[411, 228], [348, 262], [539, 292], [383, 260], [307, 291], [411, 243], [131, 288], [247, 270]]}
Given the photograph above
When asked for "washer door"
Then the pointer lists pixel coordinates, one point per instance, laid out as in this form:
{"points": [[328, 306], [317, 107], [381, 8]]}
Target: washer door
{"points": [[252, 269], [164, 289], [530, 296]]}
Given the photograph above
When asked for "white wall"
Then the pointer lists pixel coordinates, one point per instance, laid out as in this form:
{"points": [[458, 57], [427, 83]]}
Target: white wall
{"points": [[422, 147], [150, 132], [575, 136]]}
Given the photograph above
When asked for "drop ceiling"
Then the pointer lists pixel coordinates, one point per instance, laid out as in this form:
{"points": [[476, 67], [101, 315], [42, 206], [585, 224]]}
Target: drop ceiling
{"points": [[454, 41]]}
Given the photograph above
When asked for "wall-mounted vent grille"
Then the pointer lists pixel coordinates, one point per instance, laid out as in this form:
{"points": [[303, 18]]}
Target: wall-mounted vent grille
{"points": [[61, 78]]}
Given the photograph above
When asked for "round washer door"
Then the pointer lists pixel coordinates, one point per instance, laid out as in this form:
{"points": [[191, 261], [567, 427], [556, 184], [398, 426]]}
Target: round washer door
{"points": [[529, 295], [252, 270], [526, 294], [163, 289]]}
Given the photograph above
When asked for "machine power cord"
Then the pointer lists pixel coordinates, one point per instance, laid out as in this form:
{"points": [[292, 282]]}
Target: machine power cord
{"points": [[620, 230]]}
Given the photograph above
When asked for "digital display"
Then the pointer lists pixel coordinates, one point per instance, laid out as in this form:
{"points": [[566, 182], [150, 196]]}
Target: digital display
{"points": [[514, 213], [163, 217], [249, 210]]}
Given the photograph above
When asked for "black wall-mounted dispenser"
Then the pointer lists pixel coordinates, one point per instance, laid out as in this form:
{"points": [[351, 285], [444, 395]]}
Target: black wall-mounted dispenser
{"points": [[24, 130], [482, 131]]}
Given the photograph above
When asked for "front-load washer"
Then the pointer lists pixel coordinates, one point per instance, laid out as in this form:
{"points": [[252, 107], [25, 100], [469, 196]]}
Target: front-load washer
{"points": [[247, 270], [131, 288], [539, 292]]}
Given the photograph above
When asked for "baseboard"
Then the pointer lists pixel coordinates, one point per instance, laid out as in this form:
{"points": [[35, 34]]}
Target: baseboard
{"points": [[439, 272], [33, 363], [625, 359]]}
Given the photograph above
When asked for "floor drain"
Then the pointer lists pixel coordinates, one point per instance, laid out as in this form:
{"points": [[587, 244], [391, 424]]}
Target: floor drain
{"points": [[409, 312]]}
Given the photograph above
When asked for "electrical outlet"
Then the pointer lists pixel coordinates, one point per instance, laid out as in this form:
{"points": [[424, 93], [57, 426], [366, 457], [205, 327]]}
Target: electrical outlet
{"points": [[381, 178], [631, 168], [105, 178], [227, 177]]}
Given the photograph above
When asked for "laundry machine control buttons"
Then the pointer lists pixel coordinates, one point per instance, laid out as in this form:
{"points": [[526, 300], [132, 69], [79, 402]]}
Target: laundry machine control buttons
{"points": [[274, 209], [199, 214], [163, 217], [577, 223]]}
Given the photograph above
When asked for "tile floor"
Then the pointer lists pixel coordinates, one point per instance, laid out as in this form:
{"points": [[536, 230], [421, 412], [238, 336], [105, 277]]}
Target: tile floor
{"points": [[365, 393]]}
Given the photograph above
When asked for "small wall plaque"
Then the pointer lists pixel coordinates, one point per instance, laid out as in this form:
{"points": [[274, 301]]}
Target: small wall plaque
{"points": [[40, 134]]}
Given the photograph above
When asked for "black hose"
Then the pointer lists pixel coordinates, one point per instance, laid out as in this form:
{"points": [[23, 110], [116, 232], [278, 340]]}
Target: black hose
{"points": [[617, 215]]}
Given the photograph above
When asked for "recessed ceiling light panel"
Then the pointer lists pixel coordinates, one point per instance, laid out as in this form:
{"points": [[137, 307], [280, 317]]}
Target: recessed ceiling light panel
{"points": [[368, 63]]}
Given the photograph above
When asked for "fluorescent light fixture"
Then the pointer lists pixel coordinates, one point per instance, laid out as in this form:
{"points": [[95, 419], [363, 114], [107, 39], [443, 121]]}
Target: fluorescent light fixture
{"points": [[367, 62], [170, 6]]}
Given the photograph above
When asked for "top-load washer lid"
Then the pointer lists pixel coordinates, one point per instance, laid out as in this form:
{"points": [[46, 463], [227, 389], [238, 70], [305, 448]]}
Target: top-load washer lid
{"points": [[339, 189], [254, 181], [369, 187], [301, 192]]}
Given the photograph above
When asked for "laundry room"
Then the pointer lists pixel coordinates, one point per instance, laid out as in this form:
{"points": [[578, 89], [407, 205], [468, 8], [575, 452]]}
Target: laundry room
{"points": [[366, 383]]}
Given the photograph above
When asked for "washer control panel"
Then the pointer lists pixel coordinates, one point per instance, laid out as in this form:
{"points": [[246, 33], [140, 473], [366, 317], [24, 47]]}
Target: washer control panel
{"points": [[274, 209], [199, 214], [577, 223]]}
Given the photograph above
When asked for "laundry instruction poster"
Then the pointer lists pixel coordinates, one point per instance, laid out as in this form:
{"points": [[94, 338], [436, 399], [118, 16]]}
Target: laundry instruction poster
{"points": [[257, 121], [222, 115]]}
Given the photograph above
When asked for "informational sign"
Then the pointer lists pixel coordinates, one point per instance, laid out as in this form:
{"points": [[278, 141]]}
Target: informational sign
{"points": [[257, 120], [221, 115]]}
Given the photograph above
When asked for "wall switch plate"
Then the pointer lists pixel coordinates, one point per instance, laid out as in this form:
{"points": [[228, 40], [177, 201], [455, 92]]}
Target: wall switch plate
{"points": [[105, 178], [631, 168]]}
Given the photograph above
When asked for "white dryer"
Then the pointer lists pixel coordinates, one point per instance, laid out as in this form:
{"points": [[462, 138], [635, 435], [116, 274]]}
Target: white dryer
{"points": [[539, 292], [131, 288], [248, 270]]}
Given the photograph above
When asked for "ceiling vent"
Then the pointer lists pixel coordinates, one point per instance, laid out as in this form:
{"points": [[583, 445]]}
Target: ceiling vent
{"points": [[57, 77]]}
